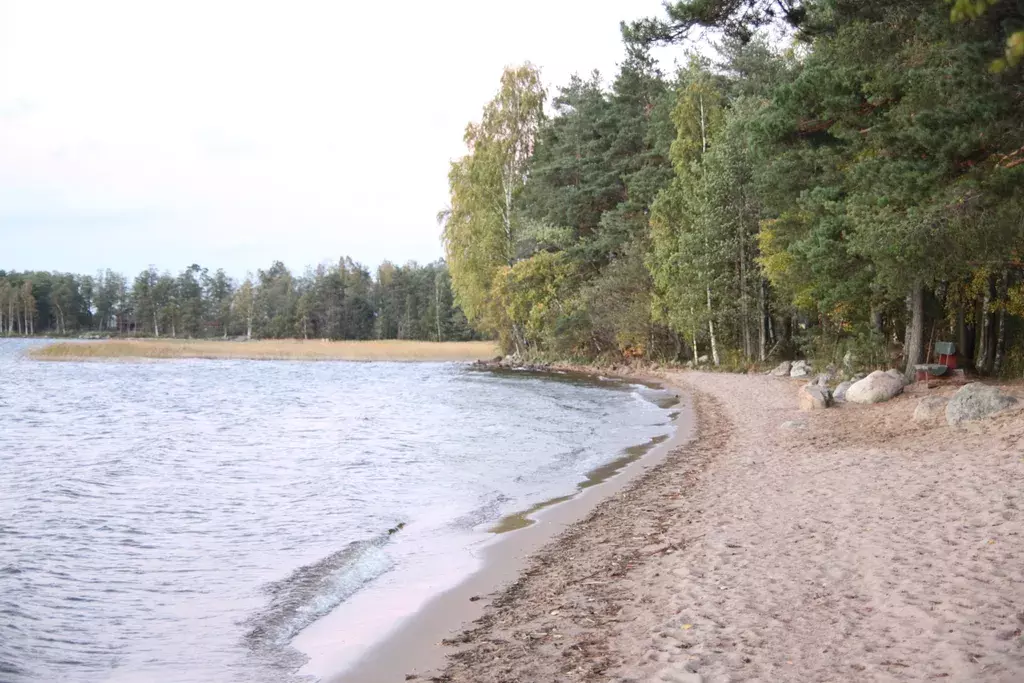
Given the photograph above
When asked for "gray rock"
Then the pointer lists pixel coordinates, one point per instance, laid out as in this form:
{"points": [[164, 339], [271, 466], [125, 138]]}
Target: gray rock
{"points": [[813, 397], [930, 410], [821, 380], [832, 372], [793, 424], [783, 369], [702, 359], [896, 374], [800, 368], [840, 392], [877, 387], [976, 401]]}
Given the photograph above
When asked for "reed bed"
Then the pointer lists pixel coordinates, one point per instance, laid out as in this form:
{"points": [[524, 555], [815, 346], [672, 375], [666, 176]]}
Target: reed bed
{"points": [[269, 349]]}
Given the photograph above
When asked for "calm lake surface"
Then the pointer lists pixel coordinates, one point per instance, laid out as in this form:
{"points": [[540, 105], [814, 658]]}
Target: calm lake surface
{"points": [[183, 520]]}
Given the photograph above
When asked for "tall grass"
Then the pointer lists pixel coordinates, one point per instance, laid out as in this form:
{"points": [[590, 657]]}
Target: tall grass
{"points": [[270, 349]]}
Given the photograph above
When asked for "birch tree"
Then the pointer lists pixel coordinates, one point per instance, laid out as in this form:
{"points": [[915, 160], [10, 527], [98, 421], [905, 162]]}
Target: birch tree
{"points": [[482, 226]]}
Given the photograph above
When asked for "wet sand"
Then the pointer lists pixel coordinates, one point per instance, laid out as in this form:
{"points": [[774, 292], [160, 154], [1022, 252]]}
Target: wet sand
{"points": [[420, 645]]}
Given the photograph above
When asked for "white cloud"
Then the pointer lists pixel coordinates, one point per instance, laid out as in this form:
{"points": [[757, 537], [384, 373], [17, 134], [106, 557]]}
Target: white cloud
{"points": [[233, 133]]}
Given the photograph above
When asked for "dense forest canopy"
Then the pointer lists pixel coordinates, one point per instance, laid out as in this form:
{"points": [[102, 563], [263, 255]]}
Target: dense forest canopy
{"points": [[337, 301], [844, 178]]}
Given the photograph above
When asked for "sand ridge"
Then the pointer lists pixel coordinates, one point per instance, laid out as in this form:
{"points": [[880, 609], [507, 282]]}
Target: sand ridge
{"points": [[861, 547]]}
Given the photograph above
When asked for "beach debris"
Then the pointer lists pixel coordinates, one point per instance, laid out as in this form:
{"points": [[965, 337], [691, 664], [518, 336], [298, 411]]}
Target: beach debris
{"points": [[782, 370], [814, 397], [395, 529], [800, 368], [976, 401], [930, 410], [877, 387], [839, 394]]}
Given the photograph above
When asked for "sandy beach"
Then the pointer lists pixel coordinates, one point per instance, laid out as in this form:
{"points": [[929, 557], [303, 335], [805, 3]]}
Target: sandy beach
{"points": [[857, 546]]}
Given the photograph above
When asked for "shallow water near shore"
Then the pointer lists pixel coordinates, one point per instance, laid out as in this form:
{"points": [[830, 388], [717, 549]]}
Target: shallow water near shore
{"points": [[184, 520]]}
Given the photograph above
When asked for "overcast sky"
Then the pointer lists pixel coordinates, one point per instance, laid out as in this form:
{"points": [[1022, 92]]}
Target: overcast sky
{"points": [[233, 133]]}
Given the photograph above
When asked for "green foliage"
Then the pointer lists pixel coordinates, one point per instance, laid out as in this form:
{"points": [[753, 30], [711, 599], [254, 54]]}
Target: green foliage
{"points": [[483, 224], [778, 201], [336, 301]]}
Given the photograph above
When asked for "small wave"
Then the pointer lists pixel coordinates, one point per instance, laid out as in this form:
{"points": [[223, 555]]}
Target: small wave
{"points": [[315, 589], [487, 512]]}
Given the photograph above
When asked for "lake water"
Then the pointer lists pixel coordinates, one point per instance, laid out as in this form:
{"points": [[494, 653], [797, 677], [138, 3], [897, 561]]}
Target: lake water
{"points": [[182, 521]]}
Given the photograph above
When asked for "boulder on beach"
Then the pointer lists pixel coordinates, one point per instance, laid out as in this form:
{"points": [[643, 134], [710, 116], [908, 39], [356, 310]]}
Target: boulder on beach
{"points": [[782, 370], [822, 380], [840, 392], [800, 368], [877, 387], [976, 401], [814, 397], [930, 410]]}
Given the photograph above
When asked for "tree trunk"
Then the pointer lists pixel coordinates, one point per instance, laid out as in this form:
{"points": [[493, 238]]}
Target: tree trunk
{"points": [[1000, 342], [437, 306], [914, 343], [876, 319], [748, 350], [711, 330], [763, 322], [961, 331], [986, 352], [693, 332], [156, 326]]}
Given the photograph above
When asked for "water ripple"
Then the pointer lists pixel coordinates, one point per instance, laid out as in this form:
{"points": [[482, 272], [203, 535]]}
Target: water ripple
{"points": [[181, 521]]}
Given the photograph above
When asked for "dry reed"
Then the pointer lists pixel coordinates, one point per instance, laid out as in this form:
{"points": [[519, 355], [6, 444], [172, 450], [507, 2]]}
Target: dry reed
{"points": [[269, 349]]}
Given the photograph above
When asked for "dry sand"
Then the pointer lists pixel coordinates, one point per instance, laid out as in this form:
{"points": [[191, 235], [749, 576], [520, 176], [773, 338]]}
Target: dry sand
{"points": [[860, 547]]}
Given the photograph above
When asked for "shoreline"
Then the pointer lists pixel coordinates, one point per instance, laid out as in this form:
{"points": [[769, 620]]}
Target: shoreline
{"points": [[418, 646], [847, 544]]}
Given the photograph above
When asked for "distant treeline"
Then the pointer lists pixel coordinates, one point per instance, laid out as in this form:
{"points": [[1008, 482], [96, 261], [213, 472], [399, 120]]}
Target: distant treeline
{"points": [[337, 301], [859, 189]]}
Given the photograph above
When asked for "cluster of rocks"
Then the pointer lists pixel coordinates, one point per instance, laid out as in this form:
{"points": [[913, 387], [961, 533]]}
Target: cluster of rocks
{"points": [[974, 401], [817, 394], [511, 362], [971, 402]]}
